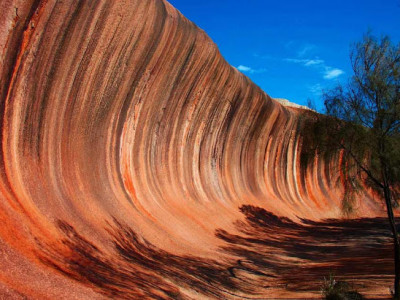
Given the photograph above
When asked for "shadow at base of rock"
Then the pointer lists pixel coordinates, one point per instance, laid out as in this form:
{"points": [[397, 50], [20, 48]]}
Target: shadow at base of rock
{"points": [[270, 255], [302, 254]]}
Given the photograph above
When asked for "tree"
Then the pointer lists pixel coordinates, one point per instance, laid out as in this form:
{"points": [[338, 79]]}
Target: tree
{"points": [[362, 122]]}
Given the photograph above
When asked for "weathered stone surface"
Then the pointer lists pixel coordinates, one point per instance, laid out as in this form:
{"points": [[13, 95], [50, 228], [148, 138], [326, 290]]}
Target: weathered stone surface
{"points": [[132, 153]]}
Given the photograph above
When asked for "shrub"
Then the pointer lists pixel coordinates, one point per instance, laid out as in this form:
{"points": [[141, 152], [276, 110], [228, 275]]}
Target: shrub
{"points": [[333, 289]]}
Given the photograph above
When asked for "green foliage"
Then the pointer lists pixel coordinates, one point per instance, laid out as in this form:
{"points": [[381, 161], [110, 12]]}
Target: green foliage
{"points": [[370, 106], [361, 131], [362, 121]]}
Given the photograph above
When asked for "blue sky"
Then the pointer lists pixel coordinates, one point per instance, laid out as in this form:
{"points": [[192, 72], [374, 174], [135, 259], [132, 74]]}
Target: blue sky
{"points": [[292, 49]]}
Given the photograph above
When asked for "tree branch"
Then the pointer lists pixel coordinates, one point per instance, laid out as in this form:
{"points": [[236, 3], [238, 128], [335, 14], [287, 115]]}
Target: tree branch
{"points": [[362, 167]]}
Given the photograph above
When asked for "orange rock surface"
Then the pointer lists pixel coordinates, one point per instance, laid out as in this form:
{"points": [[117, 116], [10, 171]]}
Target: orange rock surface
{"points": [[137, 163]]}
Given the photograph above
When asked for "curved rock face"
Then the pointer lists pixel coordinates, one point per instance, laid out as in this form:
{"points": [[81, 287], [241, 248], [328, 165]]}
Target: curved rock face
{"points": [[136, 162]]}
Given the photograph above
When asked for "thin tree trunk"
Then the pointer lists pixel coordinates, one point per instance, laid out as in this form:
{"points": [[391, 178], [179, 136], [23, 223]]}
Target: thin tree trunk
{"points": [[393, 227], [392, 221]]}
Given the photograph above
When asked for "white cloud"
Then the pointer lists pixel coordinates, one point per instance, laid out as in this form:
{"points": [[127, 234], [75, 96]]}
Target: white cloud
{"points": [[332, 73], [247, 69], [316, 89], [244, 68], [313, 62], [306, 62], [327, 71], [305, 50], [302, 49]]}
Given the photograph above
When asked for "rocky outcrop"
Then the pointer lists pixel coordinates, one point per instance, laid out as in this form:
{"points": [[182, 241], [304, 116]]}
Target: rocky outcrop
{"points": [[286, 102], [131, 150]]}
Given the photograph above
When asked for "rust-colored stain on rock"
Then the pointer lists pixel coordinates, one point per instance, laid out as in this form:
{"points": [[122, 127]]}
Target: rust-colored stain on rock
{"points": [[137, 163]]}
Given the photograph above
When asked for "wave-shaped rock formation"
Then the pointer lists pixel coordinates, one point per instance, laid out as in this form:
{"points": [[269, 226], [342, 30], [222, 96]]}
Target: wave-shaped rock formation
{"points": [[137, 163]]}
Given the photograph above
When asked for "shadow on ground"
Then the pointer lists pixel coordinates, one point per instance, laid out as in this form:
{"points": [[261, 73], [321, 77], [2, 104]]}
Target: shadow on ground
{"points": [[268, 253], [301, 254]]}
